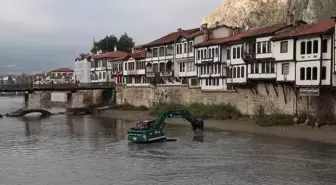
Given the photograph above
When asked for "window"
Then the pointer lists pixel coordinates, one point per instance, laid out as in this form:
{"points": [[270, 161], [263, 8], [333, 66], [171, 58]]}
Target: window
{"points": [[137, 80], [162, 51], [259, 47], [234, 73], [129, 80], [256, 68], [209, 53], [324, 73], [182, 66], [191, 47], [263, 67], [230, 73], [206, 82], [180, 49], [202, 54], [302, 73], [252, 68], [185, 47], [285, 69], [325, 46], [216, 52], [303, 48], [155, 52], [228, 56], [177, 48], [234, 53], [238, 52], [309, 47], [272, 68], [264, 47], [213, 52], [269, 47], [314, 73], [198, 54], [284, 47], [242, 71], [308, 77], [205, 53], [238, 72], [267, 67], [315, 46], [126, 66]]}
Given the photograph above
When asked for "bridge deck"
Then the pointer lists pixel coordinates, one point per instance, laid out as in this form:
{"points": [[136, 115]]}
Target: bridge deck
{"points": [[56, 87]]}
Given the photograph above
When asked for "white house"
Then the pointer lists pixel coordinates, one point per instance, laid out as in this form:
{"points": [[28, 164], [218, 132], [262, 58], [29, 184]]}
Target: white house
{"points": [[314, 55], [334, 54], [184, 57], [134, 70], [211, 65], [161, 67], [82, 68], [101, 67], [258, 53]]}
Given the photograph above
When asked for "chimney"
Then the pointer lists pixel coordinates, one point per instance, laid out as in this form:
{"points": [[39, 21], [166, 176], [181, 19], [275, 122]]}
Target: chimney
{"points": [[179, 29], [217, 24], [206, 35]]}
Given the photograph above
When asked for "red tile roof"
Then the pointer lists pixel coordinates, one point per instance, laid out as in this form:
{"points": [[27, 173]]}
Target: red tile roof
{"points": [[246, 34], [63, 70], [318, 28], [170, 38], [303, 30], [226, 40], [110, 55]]}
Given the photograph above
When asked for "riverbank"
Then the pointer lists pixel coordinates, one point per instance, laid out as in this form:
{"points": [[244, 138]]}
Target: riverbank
{"points": [[326, 134]]}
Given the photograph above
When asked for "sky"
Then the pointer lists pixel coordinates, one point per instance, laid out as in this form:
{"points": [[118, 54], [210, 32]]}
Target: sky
{"points": [[38, 35]]}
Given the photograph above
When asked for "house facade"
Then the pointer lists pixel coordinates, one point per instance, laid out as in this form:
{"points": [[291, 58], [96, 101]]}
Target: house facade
{"points": [[101, 66], [82, 68], [209, 56], [161, 65]]}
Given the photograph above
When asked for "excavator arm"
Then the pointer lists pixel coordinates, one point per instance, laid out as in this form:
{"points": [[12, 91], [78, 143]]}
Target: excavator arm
{"points": [[196, 123]]}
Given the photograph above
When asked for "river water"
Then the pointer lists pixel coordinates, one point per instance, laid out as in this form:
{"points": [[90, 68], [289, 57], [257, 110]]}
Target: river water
{"points": [[93, 151]]}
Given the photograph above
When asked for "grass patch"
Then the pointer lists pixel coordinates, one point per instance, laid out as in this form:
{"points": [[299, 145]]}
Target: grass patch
{"points": [[130, 107], [215, 111], [275, 119]]}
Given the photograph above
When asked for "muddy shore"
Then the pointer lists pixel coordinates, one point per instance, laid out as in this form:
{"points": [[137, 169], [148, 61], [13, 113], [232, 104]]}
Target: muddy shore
{"points": [[325, 134]]}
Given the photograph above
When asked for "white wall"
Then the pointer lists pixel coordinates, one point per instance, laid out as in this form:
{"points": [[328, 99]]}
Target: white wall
{"points": [[82, 71], [212, 85], [283, 56], [313, 64], [58, 97], [236, 60], [220, 32], [263, 55], [291, 71], [305, 56]]}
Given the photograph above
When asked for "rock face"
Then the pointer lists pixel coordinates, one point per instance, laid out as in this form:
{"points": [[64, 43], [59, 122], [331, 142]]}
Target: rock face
{"points": [[256, 13]]}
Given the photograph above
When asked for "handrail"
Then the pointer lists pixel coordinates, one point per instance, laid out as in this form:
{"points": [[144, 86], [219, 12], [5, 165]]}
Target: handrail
{"points": [[63, 86]]}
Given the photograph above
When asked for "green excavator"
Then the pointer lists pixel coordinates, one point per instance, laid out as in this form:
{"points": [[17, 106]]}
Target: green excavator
{"points": [[153, 130]]}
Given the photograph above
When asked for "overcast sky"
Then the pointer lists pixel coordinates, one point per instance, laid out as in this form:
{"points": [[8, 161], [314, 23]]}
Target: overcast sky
{"points": [[45, 34]]}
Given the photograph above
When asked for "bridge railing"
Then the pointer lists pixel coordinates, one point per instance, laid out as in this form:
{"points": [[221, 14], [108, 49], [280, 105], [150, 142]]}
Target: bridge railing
{"points": [[64, 86]]}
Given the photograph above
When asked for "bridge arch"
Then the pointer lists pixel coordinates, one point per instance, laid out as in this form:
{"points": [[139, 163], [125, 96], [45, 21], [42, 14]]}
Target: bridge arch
{"points": [[28, 111]]}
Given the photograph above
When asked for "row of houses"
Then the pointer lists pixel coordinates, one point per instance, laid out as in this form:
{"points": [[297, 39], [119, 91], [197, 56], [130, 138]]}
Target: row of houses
{"points": [[60, 75], [222, 57]]}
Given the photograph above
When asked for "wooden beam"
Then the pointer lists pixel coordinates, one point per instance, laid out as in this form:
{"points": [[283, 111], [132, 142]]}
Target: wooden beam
{"points": [[235, 88], [295, 92], [266, 88], [275, 90], [283, 89]]}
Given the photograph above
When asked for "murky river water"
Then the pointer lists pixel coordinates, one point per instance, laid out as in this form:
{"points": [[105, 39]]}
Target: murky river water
{"points": [[93, 151]]}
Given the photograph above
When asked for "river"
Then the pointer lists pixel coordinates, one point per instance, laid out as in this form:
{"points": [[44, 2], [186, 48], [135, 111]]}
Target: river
{"points": [[93, 151]]}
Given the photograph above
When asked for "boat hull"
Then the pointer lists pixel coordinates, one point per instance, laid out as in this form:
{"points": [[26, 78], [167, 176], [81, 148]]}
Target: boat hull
{"points": [[145, 136]]}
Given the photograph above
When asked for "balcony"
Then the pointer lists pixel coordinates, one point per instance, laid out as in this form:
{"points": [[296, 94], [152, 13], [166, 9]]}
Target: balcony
{"points": [[166, 73], [249, 56], [150, 74]]}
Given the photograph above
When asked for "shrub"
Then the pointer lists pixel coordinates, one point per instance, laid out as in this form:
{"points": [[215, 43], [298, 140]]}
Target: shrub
{"points": [[275, 119], [215, 111]]}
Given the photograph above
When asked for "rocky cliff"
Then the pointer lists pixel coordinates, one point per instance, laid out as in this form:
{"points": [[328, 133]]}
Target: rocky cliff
{"points": [[256, 13]]}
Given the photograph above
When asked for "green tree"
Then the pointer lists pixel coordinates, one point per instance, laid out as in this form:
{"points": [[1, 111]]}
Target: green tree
{"points": [[106, 44], [125, 43], [84, 54]]}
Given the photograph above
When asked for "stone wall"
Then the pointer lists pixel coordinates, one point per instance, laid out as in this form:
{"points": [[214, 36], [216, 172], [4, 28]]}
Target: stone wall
{"points": [[280, 99]]}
